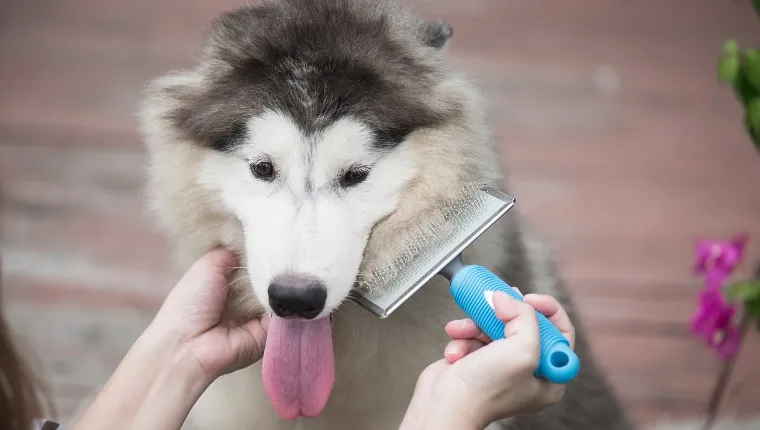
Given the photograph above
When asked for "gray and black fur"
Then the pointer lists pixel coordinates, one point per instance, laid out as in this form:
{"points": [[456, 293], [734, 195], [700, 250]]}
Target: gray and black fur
{"points": [[316, 61], [311, 60]]}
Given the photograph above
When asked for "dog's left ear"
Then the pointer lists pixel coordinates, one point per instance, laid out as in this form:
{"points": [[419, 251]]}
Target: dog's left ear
{"points": [[436, 33]]}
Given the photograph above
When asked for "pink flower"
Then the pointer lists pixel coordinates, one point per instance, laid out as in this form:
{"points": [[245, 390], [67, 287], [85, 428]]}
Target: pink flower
{"points": [[716, 260], [713, 323], [727, 342]]}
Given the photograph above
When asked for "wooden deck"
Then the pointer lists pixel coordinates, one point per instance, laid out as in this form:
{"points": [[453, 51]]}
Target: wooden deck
{"points": [[622, 148]]}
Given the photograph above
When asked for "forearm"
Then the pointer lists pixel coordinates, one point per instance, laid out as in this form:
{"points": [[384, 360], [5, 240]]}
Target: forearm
{"points": [[425, 413], [434, 421], [155, 386]]}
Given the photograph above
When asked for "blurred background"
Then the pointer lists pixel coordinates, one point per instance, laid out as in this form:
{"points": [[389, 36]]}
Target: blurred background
{"points": [[621, 146]]}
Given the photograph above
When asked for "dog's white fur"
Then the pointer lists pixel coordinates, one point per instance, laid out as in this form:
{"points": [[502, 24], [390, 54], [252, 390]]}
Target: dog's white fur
{"points": [[203, 198], [319, 232], [206, 198]]}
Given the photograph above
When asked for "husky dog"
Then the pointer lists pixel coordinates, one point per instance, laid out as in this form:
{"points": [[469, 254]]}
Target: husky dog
{"points": [[312, 137]]}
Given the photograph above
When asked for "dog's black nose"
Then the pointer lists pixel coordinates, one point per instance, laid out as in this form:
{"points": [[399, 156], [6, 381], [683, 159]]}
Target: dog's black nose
{"points": [[297, 296]]}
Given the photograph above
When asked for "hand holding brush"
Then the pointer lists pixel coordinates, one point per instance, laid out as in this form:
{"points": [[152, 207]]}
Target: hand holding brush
{"points": [[437, 250], [479, 380]]}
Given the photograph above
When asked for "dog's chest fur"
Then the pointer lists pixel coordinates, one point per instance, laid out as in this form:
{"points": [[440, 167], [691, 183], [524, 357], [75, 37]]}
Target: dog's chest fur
{"points": [[378, 361], [365, 59]]}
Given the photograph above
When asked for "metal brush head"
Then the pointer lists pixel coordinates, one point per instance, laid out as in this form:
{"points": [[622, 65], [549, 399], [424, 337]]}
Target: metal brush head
{"points": [[442, 236]]}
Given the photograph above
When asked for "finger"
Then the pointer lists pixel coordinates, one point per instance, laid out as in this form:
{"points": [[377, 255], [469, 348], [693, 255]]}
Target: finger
{"points": [[466, 329], [219, 258], [212, 268], [521, 323], [548, 394], [204, 281], [250, 339], [553, 310], [458, 348], [218, 261]]}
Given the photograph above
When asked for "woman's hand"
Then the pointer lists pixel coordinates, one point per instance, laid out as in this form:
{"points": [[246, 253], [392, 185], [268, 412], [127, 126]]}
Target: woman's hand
{"points": [[480, 381], [193, 313], [188, 345]]}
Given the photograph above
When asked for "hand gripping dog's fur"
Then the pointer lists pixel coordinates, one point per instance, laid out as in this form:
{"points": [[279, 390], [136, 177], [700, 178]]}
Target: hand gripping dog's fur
{"points": [[311, 136]]}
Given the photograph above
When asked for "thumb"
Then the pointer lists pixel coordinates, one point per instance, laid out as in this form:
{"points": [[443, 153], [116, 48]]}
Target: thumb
{"points": [[207, 273], [521, 322], [248, 342], [202, 289], [216, 262]]}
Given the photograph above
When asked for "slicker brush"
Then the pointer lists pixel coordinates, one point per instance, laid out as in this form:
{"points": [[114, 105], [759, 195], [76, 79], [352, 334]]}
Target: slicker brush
{"points": [[437, 250]]}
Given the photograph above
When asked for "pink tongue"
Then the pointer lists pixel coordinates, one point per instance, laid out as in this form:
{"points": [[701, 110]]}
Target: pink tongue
{"points": [[298, 369]]}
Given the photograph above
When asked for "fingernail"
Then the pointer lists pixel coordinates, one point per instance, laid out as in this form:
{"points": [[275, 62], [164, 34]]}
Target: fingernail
{"points": [[503, 296], [459, 323], [451, 349], [509, 304]]}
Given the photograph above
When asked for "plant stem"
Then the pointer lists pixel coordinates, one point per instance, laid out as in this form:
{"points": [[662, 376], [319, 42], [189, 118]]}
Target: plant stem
{"points": [[725, 377], [725, 374]]}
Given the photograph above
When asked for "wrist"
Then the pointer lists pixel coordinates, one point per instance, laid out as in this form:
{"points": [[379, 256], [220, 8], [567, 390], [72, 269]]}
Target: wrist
{"points": [[441, 419], [169, 354], [155, 386], [177, 381], [440, 411]]}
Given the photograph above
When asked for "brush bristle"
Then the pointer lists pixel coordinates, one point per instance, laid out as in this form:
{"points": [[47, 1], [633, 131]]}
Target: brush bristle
{"points": [[424, 239]]}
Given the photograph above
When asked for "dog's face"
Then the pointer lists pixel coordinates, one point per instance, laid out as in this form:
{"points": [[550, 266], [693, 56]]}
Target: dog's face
{"points": [[306, 114], [307, 204]]}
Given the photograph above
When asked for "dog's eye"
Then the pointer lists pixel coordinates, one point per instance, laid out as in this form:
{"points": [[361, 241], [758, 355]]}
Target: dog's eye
{"points": [[354, 176], [263, 170]]}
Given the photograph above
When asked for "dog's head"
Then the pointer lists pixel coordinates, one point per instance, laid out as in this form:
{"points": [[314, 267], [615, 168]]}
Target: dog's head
{"points": [[309, 137]]}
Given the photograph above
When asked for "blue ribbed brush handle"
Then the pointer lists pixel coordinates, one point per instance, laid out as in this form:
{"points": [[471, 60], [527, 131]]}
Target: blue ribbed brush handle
{"points": [[558, 363]]}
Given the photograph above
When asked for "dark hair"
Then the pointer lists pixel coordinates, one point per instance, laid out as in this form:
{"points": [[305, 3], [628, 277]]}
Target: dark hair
{"points": [[21, 394]]}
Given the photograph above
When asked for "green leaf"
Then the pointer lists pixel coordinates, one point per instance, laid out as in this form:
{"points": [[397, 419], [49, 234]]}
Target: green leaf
{"points": [[728, 69], [756, 6], [731, 47], [750, 67], [753, 114], [743, 89], [753, 308], [755, 137], [752, 121], [745, 291]]}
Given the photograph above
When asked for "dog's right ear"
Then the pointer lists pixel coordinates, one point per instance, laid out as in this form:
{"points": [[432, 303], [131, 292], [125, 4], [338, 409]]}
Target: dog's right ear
{"points": [[162, 102], [436, 33]]}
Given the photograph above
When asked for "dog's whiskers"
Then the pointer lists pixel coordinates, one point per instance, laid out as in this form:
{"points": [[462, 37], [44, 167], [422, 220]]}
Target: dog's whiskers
{"points": [[240, 279], [232, 269]]}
